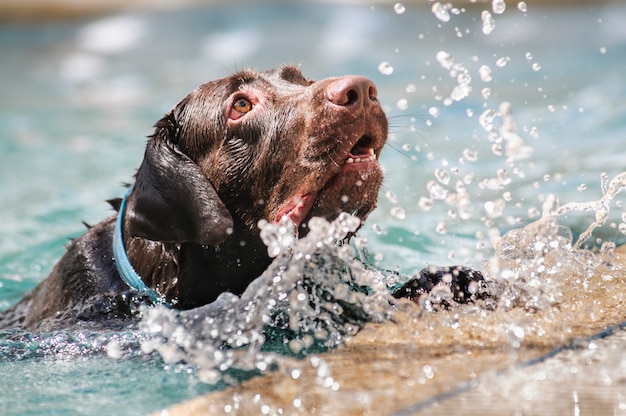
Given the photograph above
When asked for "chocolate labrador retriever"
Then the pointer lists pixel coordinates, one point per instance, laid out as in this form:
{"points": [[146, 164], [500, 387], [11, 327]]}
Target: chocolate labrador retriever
{"points": [[234, 151]]}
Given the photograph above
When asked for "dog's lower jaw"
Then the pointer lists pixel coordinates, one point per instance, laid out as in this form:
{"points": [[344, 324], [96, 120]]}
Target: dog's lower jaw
{"points": [[297, 208]]}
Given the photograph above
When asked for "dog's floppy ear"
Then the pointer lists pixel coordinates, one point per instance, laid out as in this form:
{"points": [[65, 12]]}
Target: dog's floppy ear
{"points": [[173, 201]]}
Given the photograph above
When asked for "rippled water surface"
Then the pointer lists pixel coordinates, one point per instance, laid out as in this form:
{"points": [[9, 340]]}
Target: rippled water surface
{"points": [[497, 118]]}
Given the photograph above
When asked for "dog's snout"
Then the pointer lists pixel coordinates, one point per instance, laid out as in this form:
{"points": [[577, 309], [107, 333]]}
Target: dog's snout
{"points": [[352, 92]]}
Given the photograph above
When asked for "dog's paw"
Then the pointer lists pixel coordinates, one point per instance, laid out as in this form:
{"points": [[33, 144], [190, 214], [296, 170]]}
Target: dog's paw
{"points": [[455, 283]]}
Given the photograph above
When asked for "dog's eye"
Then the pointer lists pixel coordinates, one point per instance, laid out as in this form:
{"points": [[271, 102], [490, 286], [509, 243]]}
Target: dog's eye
{"points": [[242, 105]]}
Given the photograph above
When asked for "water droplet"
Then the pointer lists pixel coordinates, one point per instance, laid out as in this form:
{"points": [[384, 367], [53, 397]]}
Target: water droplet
{"points": [[469, 112], [377, 229], [392, 197], [436, 191], [503, 177], [399, 8], [536, 66], [462, 75], [443, 176], [441, 11], [485, 93], [402, 104], [442, 228], [603, 50], [522, 6], [497, 149], [486, 119], [503, 61], [425, 203], [470, 155], [498, 6], [398, 213], [485, 73], [533, 212], [488, 23], [529, 56], [445, 59], [581, 187], [433, 111], [518, 331], [114, 350], [534, 133], [385, 68], [494, 209]]}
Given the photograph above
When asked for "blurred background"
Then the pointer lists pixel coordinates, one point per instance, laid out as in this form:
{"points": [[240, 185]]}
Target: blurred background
{"points": [[493, 107], [83, 82]]}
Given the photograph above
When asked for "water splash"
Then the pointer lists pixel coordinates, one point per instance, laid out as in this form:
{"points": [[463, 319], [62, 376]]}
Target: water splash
{"points": [[458, 71], [20, 345], [515, 148], [313, 296], [502, 132], [532, 263], [527, 262], [600, 208]]}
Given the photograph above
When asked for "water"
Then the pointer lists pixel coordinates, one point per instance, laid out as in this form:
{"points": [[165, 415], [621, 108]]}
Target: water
{"points": [[313, 295], [491, 132]]}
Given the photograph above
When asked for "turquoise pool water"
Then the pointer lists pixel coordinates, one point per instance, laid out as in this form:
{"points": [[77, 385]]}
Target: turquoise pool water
{"points": [[79, 98]]}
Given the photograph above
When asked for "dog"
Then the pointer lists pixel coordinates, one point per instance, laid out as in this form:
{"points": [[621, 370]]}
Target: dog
{"points": [[252, 146]]}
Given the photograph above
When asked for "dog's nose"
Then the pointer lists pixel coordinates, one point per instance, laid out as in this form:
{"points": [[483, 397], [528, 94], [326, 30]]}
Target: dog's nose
{"points": [[352, 92]]}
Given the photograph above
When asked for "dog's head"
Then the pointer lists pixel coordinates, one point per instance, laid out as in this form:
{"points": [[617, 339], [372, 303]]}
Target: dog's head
{"points": [[258, 146]]}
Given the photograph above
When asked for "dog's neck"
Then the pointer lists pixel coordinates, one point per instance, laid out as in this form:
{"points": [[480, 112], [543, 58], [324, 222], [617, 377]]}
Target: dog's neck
{"points": [[208, 271], [123, 265], [190, 275]]}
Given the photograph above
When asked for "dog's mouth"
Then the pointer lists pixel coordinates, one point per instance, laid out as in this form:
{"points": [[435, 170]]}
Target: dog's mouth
{"points": [[344, 182], [362, 152]]}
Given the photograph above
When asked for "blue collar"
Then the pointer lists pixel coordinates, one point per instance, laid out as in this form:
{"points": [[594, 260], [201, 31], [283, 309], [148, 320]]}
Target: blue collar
{"points": [[122, 263]]}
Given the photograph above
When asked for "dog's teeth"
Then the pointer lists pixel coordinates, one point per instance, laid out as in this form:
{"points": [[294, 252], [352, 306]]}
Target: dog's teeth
{"points": [[370, 157]]}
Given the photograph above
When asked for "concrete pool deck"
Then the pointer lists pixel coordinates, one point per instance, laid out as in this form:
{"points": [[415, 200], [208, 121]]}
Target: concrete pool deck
{"points": [[427, 364]]}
